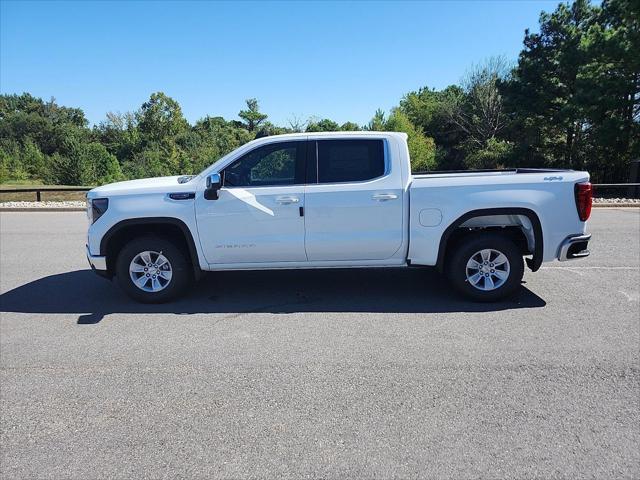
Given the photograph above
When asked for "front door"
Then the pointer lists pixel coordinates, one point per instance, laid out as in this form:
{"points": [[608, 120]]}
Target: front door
{"points": [[257, 217]]}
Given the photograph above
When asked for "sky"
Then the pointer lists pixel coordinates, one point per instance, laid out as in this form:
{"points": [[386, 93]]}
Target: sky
{"points": [[326, 59]]}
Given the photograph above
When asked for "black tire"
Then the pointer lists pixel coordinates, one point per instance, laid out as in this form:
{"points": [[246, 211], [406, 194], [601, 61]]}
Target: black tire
{"points": [[181, 271], [456, 268]]}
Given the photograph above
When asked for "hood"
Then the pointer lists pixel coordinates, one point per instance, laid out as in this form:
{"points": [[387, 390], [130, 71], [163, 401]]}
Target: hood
{"points": [[143, 185]]}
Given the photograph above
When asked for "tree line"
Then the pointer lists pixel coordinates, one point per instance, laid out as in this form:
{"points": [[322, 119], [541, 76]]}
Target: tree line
{"points": [[571, 100]]}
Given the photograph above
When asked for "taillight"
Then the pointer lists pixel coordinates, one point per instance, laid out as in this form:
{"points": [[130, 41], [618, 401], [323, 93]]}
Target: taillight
{"points": [[583, 200]]}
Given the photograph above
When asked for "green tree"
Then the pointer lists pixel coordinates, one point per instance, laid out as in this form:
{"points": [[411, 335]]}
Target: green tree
{"points": [[494, 153], [5, 166], [62, 171], [97, 165], [378, 122], [221, 136], [252, 115], [544, 92], [150, 162], [428, 109], [574, 98], [11, 167], [480, 112], [160, 120], [50, 111], [609, 90], [267, 129], [296, 124], [38, 126], [350, 127], [32, 160], [324, 125], [422, 149], [119, 134], [160, 124]]}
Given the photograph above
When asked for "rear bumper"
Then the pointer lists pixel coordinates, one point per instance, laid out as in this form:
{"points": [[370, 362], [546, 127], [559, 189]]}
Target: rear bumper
{"points": [[574, 247], [98, 264]]}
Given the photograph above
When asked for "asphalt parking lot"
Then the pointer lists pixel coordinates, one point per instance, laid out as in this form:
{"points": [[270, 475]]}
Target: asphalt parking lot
{"points": [[333, 374]]}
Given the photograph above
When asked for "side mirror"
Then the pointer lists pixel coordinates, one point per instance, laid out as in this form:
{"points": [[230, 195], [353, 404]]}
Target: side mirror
{"points": [[214, 183]]}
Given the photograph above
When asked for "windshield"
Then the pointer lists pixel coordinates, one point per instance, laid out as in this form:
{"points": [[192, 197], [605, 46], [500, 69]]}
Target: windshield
{"points": [[221, 159]]}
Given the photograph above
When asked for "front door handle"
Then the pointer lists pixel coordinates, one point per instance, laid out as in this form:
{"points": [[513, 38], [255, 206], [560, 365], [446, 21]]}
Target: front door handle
{"points": [[383, 197], [287, 200]]}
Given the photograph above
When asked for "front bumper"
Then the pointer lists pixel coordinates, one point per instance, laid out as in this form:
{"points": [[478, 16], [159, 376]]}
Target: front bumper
{"points": [[98, 264], [574, 247]]}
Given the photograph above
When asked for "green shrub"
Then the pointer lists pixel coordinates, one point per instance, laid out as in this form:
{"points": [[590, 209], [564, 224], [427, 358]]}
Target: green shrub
{"points": [[495, 154]]}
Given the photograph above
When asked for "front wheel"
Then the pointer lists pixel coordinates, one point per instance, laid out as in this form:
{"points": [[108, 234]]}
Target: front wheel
{"points": [[152, 269], [486, 267]]}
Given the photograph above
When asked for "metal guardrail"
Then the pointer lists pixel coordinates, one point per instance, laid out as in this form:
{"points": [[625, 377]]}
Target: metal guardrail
{"points": [[600, 185], [38, 190], [621, 190]]}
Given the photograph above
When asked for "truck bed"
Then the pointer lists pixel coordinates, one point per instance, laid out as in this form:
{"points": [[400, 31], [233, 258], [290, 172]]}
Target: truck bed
{"points": [[438, 199]]}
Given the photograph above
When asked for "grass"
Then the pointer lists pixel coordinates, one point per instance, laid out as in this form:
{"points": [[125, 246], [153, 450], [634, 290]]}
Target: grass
{"points": [[20, 183]]}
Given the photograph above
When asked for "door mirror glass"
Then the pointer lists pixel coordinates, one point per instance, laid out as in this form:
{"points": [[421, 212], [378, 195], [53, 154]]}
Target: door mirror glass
{"points": [[214, 182]]}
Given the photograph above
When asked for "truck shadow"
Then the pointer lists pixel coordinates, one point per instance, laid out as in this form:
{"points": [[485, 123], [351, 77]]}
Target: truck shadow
{"points": [[335, 290]]}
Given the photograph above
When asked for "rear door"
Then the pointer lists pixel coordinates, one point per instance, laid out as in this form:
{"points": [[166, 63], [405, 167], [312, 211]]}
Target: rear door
{"points": [[353, 206]]}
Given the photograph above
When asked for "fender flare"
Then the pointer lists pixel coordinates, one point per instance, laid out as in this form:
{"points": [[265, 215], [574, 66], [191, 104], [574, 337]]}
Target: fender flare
{"points": [[533, 263], [176, 222]]}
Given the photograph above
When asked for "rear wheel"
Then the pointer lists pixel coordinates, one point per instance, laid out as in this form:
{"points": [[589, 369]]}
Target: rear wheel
{"points": [[152, 269], [486, 267]]}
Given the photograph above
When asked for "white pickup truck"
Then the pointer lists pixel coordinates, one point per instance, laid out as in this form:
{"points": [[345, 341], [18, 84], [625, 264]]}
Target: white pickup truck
{"points": [[335, 200]]}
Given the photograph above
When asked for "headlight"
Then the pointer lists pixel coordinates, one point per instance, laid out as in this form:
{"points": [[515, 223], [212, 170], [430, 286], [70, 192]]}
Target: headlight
{"points": [[96, 208]]}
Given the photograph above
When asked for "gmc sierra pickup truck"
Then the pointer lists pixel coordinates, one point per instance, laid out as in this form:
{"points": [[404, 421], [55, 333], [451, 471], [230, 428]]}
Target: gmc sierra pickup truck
{"points": [[335, 200]]}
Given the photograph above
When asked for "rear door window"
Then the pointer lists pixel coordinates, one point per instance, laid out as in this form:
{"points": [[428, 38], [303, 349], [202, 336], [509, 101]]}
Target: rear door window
{"points": [[350, 160]]}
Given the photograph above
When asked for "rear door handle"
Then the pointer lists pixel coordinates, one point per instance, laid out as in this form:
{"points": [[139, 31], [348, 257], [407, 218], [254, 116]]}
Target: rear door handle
{"points": [[383, 197], [287, 200]]}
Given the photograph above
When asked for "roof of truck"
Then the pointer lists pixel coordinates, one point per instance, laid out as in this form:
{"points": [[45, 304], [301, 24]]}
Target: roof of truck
{"points": [[311, 135], [359, 133]]}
